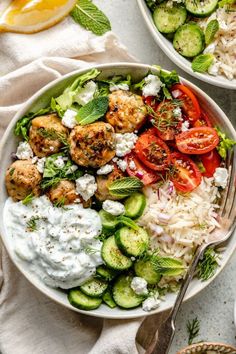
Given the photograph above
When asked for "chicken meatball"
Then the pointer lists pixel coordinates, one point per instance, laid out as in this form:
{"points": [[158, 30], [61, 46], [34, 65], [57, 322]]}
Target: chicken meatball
{"points": [[46, 135], [22, 179], [127, 111], [64, 193], [92, 145], [103, 182]]}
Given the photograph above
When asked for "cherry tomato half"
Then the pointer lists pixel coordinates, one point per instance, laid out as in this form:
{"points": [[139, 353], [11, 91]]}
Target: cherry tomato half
{"points": [[167, 120], [152, 151], [186, 176], [211, 160], [203, 121], [140, 171], [190, 103], [197, 141]]}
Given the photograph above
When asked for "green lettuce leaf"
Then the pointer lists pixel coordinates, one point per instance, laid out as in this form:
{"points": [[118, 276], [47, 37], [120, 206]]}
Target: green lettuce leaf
{"points": [[225, 144]]}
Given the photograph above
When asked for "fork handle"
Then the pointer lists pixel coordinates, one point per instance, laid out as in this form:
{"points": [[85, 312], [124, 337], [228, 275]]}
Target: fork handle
{"points": [[163, 339]]}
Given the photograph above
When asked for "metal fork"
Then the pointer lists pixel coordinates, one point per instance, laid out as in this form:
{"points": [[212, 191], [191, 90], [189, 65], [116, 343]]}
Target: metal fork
{"points": [[227, 217]]}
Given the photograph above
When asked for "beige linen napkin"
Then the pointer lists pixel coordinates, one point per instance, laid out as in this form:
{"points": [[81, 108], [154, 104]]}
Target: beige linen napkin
{"points": [[29, 321]]}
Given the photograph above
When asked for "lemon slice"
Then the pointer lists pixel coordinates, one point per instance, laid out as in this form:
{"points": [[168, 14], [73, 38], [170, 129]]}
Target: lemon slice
{"points": [[30, 16]]}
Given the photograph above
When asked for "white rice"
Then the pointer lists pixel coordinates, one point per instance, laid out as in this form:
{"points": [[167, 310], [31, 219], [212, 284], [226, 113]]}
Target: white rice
{"points": [[177, 223], [224, 45]]}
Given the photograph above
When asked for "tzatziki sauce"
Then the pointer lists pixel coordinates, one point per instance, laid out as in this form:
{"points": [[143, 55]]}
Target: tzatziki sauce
{"points": [[59, 244]]}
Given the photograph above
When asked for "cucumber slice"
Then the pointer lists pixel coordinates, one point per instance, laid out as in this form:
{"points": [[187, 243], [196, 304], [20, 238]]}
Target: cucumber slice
{"points": [[145, 269], [124, 295], [109, 222], [132, 242], [108, 299], [94, 287], [201, 8], [106, 273], [189, 40], [135, 205], [78, 299], [168, 19], [113, 257]]}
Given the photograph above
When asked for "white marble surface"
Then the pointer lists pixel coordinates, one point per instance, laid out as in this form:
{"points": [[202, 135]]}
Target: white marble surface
{"points": [[214, 305]]}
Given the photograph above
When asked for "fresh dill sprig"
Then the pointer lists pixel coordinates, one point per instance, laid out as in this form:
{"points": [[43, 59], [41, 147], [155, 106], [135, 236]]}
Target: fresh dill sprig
{"points": [[91, 250], [193, 329], [28, 199], [46, 183], [60, 203], [32, 223], [165, 118], [52, 134], [207, 265]]}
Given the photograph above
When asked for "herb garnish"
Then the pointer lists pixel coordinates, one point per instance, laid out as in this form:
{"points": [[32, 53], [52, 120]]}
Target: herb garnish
{"points": [[211, 30], [225, 144], [32, 223], [168, 266], [193, 329], [92, 111], [202, 62], [125, 186], [207, 265], [28, 199], [90, 17], [52, 134]]}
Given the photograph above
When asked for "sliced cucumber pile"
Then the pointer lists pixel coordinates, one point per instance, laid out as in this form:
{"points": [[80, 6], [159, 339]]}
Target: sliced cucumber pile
{"points": [[111, 282], [168, 19], [179, 24], [124, 295], [201, 8], [189, 40], [132, 242]]}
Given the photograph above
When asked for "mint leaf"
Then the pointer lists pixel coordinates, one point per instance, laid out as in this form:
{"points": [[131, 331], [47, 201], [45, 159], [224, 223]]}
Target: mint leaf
{"points": [[202, 62], [211, 29], [225, 144], [90, 17], [167, 266], [124, 187], [23, 124], [92, 111]]}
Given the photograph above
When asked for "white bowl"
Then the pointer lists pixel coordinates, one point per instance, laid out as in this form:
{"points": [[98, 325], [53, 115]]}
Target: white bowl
{"points": [[167, 47], [8, 145]]}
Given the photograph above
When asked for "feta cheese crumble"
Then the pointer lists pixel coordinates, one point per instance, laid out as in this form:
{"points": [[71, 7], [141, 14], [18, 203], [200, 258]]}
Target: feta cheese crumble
{"points": [[68, 119], [221, 177], [104, 170], [114, 208], [86, 186], [122, 164], [40, 164], [71, 169], [151, 303], [177, 113], [24, 151], [86, 93], [214, 68], [125, 143], [132, 165], [152, 85], [59, 162], [185, 126], [116, 87], [139, 286]]}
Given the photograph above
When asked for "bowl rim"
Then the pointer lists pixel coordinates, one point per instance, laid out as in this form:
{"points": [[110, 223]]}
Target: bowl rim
{"points": [[24, 109], [187, 350], [176, 58]]}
